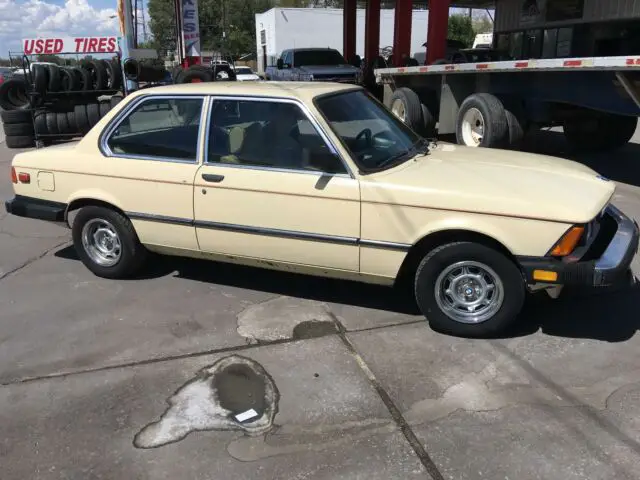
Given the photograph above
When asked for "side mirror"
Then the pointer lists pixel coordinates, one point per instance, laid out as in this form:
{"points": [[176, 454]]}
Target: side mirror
{"points": [[280, 64]]}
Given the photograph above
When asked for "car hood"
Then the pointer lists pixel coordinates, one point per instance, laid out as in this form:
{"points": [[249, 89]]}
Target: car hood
{"points": [[329, 70], [491, 181]]}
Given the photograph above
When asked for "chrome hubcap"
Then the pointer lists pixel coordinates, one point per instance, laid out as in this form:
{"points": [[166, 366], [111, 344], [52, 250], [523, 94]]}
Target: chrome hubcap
{"points": [[469, 292], [101, 242], [472, 127], [397, 108]]}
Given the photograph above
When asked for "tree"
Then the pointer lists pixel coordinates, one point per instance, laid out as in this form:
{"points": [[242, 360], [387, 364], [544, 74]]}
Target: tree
{"points": [[482, 24], [461, 29], [235, 17]]}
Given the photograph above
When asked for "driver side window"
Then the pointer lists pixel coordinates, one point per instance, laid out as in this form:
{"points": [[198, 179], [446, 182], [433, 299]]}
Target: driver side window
{"points": [[269, 135]]}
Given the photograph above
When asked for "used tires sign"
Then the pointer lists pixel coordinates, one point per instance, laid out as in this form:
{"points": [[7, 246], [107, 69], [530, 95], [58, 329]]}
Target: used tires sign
{"points": [[55, 45]]}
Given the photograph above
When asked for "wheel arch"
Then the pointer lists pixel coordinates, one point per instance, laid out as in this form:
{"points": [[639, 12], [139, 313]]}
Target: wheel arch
{"points": [[437, 238], [91, 199]]}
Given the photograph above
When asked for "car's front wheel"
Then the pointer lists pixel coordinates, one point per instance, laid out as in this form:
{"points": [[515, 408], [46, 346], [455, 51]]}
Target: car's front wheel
{"points": [[107, 243], [469, 289]]}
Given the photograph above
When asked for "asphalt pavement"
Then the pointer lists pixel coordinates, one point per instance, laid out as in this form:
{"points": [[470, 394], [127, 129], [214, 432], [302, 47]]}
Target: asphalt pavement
{"points": [[134, 379]]}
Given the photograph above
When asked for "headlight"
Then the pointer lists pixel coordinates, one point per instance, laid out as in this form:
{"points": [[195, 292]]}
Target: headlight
{"points": [[567, 242]]}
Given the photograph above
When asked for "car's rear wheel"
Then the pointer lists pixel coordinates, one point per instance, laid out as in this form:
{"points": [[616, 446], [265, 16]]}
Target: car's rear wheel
{"points": [[106, 242], [469, 289]]}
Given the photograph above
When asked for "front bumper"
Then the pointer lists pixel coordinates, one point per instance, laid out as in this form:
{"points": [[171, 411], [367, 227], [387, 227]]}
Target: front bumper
{"points": [[36, 208], [608, 269]]}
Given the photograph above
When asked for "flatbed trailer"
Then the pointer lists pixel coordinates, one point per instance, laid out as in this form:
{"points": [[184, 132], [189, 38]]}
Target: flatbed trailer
{"points": [[493, 104]]}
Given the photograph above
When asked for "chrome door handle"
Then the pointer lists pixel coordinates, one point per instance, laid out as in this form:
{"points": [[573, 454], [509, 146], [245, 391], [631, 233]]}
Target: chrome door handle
{"points": [[208, 177]]}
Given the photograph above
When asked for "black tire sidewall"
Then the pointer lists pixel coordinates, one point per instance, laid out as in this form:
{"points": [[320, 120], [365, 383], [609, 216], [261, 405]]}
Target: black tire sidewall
{"points": [[131, 248], [17, 141], [15, 116], [53, 85], [93, 114], [63, 123], [52, 123], [439, 259], [412, 108], [496, 127], [82, 121], [18, 129]]}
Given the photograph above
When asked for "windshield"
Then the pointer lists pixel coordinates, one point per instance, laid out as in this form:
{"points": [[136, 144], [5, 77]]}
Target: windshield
{"points": [[317, 57], [376, 139], [244, 70]]}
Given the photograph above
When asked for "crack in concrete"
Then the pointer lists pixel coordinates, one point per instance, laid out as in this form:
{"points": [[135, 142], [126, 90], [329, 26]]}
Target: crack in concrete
{"points": [[23, 265]]}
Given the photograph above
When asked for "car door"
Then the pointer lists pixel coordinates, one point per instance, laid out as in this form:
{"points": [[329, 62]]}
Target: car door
{"points": [[153, 157], [273, 187]]}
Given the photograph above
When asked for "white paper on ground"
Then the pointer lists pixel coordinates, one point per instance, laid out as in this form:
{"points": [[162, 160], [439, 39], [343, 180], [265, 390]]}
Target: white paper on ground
{"points": [[251, 413]]}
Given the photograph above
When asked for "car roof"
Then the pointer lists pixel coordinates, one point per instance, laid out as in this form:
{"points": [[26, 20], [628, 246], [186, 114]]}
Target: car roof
{"points": [[294, 90]]}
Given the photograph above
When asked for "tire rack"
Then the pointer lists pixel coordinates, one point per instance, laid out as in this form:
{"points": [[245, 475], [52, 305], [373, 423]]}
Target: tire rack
{"points": [[39, 102]]}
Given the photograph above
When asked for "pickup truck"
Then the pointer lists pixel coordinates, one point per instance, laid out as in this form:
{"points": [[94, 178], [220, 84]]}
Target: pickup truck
{"points": [[313, 64]]}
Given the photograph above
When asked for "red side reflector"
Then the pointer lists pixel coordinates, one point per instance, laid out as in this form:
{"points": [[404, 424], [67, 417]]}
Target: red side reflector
{"points": [[14, 175], [24, 178], [196, 80]]}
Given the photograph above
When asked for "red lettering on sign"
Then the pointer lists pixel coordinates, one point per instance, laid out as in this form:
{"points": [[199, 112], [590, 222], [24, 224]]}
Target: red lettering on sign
{"points": [[39, 46], [78, 43], [102, 45], [48, 45], [28, 46], [93, 44], [58, 44], [111, 45]]}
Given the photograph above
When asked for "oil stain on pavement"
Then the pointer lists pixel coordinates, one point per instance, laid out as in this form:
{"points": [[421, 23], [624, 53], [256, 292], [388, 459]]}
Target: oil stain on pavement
{"points": [[218, 398]]}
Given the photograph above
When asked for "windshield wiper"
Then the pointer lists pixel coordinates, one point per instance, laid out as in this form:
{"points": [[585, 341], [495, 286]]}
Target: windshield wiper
{"points": [[420, 147], [398, 157]]}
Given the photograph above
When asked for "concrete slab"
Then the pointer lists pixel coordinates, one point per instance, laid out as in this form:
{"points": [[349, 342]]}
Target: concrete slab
{"points": [[56, 317], [330, 424], [22, 240], [547, 396]]}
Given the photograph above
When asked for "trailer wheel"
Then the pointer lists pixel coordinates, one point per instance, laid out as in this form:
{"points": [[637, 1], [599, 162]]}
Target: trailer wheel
{"points": [[600, 133], [429, 123], [405, 104], [482, 122]]}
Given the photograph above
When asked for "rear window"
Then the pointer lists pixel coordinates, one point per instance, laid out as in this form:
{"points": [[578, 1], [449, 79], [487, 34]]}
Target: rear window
{"points": [[317, 57]]}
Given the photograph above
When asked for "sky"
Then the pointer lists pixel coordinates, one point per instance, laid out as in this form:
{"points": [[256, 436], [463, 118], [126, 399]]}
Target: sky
{"points": [[39, 18]]}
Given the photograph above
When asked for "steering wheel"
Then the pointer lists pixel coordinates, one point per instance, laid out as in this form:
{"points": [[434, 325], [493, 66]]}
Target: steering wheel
{"points": [[367, 134]]}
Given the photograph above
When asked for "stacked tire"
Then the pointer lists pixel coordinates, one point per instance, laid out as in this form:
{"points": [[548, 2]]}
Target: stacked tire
{"points": [[18, 128], [14, 94], [92, 76], [73, 119]]}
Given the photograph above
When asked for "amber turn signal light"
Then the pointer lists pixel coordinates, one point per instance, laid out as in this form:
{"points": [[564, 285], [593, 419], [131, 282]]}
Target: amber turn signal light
{"points": [[14, 175], [568, 242], [545, 276]]}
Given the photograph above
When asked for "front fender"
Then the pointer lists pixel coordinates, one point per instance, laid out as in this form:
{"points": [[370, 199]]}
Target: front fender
{"points": [[519, 236]]}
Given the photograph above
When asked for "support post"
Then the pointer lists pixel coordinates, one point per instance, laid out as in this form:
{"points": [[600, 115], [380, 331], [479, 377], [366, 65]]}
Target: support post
{"points": [[372, 31], [402, 31], [437, 30], [349, 26]]}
